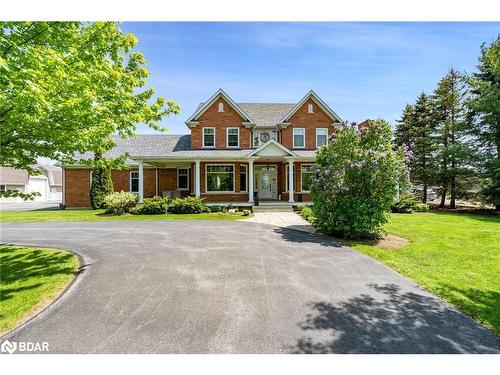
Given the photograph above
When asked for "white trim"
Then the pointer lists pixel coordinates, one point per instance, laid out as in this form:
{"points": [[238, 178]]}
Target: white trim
{"points": [[130, 181], [293, 138], [209, 102], [246, 177], [220, 107], [287, 166], [301, 190], [310, 108], [188, 172], [219, 192], [254, 132], [227, 138], [203, 137], [90, 179], [319, 102], [317, 136], [268, 143]]}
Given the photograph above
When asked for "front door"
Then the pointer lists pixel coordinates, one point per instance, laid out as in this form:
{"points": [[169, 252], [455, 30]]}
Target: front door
{"points": [[267, 183]]}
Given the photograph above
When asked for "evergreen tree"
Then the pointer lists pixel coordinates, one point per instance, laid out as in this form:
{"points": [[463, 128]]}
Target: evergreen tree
{"points": [[102, 184], [485, 106]]}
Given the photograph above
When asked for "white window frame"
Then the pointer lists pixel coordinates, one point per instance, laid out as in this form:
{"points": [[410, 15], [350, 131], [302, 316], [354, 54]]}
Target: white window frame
{"points": [[227, 138], [303, 134], [206, 179], [187, 174], [203, 137], [3, 187], [310, 108], [246, 178], [287, 168], [301, 174], [220, 107], [130, 182], [254, 133], [325, 129], [90, 179], [275, 132]]}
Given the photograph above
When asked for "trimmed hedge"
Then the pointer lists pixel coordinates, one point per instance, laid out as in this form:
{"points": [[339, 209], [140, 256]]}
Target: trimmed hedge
{"points": [[188, 205], [119, 203], [152, 206], [407, 204]]}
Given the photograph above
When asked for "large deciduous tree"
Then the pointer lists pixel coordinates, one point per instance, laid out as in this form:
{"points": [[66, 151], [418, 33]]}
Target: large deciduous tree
{"points": [[485, 105], [65, 87]]}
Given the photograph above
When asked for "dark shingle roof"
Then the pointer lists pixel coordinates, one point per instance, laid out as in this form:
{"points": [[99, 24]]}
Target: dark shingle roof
{"points": [[266, 114]]}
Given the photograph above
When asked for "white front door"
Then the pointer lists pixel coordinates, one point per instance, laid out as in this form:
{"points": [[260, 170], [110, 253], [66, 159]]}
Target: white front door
{"points": [[267, 183]]}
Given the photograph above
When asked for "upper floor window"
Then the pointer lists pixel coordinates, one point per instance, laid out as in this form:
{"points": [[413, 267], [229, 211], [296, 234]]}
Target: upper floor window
{"points": [[233, 137], [182, 179], [261, 137], [134, 182], [310, 108], [208, 137], [221, 107], [256, 138], [299, 137], [321, 137]]}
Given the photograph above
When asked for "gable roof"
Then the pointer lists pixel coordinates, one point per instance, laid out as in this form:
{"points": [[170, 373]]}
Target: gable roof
{"points": [[204, 106], [311, 94], [272, 144]]}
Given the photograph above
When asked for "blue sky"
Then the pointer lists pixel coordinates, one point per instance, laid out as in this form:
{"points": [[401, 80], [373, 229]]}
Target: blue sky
{"points": [[362, 70]]}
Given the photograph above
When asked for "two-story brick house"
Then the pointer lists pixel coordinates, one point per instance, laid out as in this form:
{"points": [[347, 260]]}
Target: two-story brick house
{"points": [[236, 153]]}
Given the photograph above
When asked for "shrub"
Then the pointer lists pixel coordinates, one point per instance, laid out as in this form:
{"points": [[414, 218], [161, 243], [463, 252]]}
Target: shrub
{"points": [[355, 181], [151, 206], [307, 213], [421, 207], [188, 205], [102, 185], [119, 203], [407, 204], [215, 208]]}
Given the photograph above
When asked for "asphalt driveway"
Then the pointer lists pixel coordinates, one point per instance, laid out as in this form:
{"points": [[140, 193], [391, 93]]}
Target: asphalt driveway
{"points": [[234, 287]]}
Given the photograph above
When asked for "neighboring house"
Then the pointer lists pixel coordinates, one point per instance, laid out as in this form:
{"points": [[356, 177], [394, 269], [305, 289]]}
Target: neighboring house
{"points": [[236, 153], [48, 182]]}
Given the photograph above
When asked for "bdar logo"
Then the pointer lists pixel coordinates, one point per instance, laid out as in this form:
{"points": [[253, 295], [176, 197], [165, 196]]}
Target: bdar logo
{"points": [[8, 347]]}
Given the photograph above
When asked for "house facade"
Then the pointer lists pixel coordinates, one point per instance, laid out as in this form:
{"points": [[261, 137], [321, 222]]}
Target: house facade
{"points": [[238, 153]]}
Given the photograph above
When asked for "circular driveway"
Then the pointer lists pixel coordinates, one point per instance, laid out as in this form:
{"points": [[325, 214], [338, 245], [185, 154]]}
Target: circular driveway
{"points": [[233, 287]]}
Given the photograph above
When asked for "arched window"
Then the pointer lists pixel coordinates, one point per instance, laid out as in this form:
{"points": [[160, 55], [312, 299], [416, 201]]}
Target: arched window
{"points": [[221, 107], [309, 108]]}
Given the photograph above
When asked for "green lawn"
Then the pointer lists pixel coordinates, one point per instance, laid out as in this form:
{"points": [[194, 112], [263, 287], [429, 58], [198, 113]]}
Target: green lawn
{"points": [[91, 215], [455, 256], [30, 278]]}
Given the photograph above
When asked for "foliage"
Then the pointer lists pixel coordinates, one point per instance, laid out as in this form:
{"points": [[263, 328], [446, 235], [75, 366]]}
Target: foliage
{"points": [[19, 194], [355, 181], [421, 207], [102, 185], [188, 205], [31, 277], [151, 206], [119, 203], [216, 208], [453, 255], [307, 213], [406, 204], [484, 104], [65, 87], [246, 213]]}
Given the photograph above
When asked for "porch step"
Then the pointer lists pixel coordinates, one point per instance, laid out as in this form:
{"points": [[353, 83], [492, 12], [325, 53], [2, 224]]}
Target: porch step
{"points": [[273, 208]]}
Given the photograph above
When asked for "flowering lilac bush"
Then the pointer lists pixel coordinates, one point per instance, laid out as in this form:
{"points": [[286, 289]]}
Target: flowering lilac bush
{"points": [[356, 180]]}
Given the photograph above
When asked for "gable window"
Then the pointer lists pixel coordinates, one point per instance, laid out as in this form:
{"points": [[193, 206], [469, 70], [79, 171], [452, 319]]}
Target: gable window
{"points": [[134, 182], [299, 137], [221, 107], [310, 108], [208, 137], [321, 137], [220, 178], [306, 172], [233, 137], [243, 178], [256, 138], [288, 176], [182, 179]]}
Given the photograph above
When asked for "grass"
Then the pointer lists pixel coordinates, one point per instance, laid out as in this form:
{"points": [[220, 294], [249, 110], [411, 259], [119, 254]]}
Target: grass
{"points": [[91, 215], [30, 278], [455, 256]]}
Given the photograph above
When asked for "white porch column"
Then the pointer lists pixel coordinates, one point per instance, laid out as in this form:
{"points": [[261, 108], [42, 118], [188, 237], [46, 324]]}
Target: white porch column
{"points": [[291, 190], [141, 181], [197, 190], [250, 181]]}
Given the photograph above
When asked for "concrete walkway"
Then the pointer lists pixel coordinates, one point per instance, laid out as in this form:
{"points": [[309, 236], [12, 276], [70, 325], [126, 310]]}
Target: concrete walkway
{"points": [[289, 220]]}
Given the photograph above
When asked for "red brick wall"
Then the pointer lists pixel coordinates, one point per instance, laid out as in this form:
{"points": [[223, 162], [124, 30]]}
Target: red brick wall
{"points": [[220, 121], [308, 121]]}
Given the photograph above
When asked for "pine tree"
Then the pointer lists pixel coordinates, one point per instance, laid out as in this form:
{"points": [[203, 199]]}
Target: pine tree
{"points": [[102, 184], [485, 106]]}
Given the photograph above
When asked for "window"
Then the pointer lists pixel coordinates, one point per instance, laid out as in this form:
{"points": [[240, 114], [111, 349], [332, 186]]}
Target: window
{"points": [[220, 178], [233, 137], [221, 107], [134, 182], [274, 135], [208, 137], [310, 108], [182, 179], [299, 137], [3, 188], [288, 176], [256, 138], [243, 178], [306, 172], [321, 137]]}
